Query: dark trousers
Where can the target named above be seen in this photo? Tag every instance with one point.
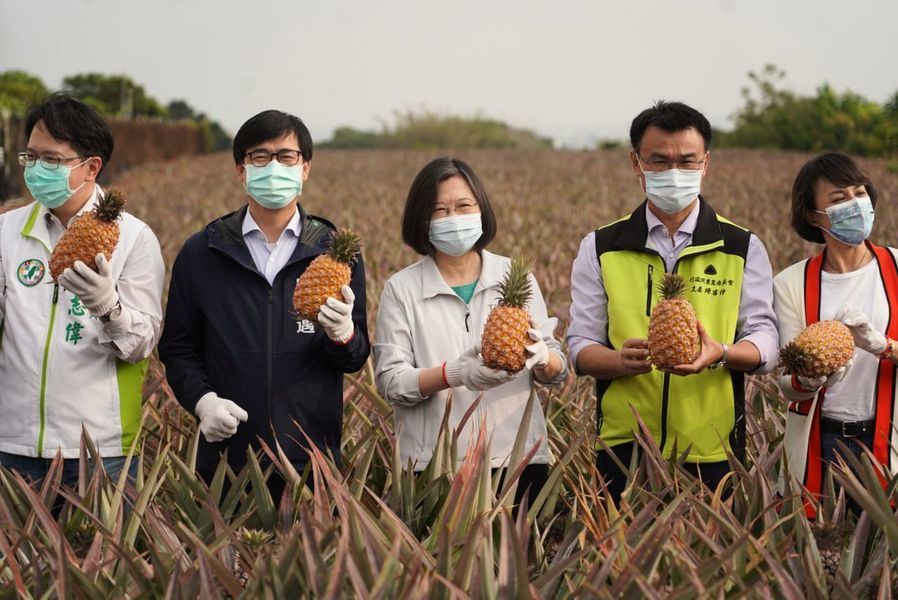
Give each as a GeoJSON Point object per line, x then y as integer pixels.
{"type": "Point", "coordinates": [275, 483]}
{"type": "Point", "coordinates": [531, 483]}
{"type": "Point", "coordinates": [35, 469]}
{"type": "Point", "coordinates": [710, 474]}
{"type": "Point", "coordinates": [829, 450]}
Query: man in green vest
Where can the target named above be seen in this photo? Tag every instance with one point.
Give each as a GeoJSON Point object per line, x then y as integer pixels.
{"type": "Point", "coordinates": [696, 406]}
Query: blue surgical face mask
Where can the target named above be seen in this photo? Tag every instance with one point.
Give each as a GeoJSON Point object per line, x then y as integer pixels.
{"type": "Point", "coordinates": [456, 235]}
{"type": "Point", "coordinates": [50, 187]}
{"type": "Point", "coordinates": [274, 185]}
{"type": "Point", "coordinates": [850, 222]}
{"type": "Point", "coordinates": [672, 190]}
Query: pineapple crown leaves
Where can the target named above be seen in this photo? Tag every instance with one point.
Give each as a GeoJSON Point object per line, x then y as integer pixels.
{"type": "Point", "coordinates": [672, 285]}
{"type": "Point", "coordinates": [344, 246]}
{"type": "Point", "coordinates": [515, 288]}
{"type": "Point", "coordinates": [793, 359]}
{"type": "Point", "coordinates": [110, 204]}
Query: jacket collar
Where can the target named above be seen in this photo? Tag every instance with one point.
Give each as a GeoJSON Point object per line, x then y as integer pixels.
{"type": "Point", "coordinates": [249, 224]}
{"type": "Point", "coordinates": [226, 235]}
{"type": "Point", "coordinates": [492, 270]}
{"type": "Point", "coordinates": [635, 231]}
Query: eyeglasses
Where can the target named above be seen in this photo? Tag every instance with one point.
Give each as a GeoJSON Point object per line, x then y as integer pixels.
{"type": "Point", "coordinates": [49, 162]}
{"type": "Point", "coordinates": [465, 207]}
{"type": "Point", "coordinates": [661, 164]}
{"type": "Point", "coordinates": [286, 157]}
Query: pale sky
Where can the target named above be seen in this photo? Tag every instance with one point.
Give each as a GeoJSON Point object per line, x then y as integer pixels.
{"type": "Point", "coordinates": [573, 70]}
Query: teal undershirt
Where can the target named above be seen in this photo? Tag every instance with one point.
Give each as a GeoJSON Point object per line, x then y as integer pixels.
{"type": "Point", "coordinates": [465, 292]}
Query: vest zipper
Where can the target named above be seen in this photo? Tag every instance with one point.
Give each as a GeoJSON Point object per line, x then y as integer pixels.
{"type": "Point", "coordinates": [665, 390]}
{"type": "Point", "coordinates": [648, 291]}
{"type": "Point", "coordinates": [467, 316]}
{"type": "Point", "coordinates": [665, 393]}
{"type": "Point", "coordinates": [43, 396]}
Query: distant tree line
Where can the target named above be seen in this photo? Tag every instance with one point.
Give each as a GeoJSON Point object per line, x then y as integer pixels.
{"type": "Point", "coordinates": [116, 96]}
{"type": "Point", "coordinates": [774, 117]}
{"type": "Point", "coordinates": [431, 130]}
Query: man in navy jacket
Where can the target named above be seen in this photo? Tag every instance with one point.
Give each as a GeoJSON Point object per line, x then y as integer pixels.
{"type": "Point", "coordinates": [235, 354]}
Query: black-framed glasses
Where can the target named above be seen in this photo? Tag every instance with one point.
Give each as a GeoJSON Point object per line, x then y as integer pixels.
{"type": "Point", "coordinates": [49, 162]}
{"type": "Point", "coordinates": [662, 164]}
{"type": "Point", "coordinates": [286, 156]}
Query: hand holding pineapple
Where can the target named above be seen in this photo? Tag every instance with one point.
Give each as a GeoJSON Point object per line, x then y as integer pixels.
{"type": "Point", "coordinates": [335, 317]}
{"type": "Point", "coordinates": [710, 351]}
{"type": "Point", "coordinates": [538, 351]}
{"type": "Point", "coordinates": [634, 357]}
{"type": "Point", "coordinates": [865, 337]}
{"type": "Point", "coordinates": [812, 384]}
{"type": "Point", "coordinates": [469, 370]}
{"type": "Point", "coordinates": [95, 289]}
{"type": "Point", "coordinates": [327, 276]}
{"type": "Point", "coordinates": [818, 353]}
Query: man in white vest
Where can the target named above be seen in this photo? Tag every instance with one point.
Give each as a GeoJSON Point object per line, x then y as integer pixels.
{"type": "Point", "coordinates": [73, 352]}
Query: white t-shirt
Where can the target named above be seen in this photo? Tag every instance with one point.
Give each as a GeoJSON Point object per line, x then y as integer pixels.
{"type": "Point", "coordinates": [852, 399]}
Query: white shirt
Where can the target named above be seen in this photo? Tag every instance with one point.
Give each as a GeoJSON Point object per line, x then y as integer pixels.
{"type": "Point", "coordinates": [270, 257]}
{"type": "Point", "coordinates": [852, 398]}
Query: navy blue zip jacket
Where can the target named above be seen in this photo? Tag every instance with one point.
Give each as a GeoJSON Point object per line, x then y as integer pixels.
{"type": "Point", "coordinates": [228, 331]}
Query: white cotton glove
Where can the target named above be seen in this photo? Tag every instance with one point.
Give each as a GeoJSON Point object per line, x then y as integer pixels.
{"type": "Point", "coordinates": [812, 384]}
{"type": "Point", "coordinates": [865, 337]}
{"type": "Point", "coordinates": [219, 417]}
{"type": "Point", "coordinates": [96, 290]}
{"type": "Point", "coordinates": [336, 317]}
{"type": "Point", "coordinates": [538, 351]}
{"type": "Point", "coordinates": [469, 371]}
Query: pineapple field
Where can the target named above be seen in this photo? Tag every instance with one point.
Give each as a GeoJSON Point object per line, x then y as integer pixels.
{"type": "Point", "coordinates": [372, 527]}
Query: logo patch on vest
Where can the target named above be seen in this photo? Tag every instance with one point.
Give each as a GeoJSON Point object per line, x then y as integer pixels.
{"type": "Point", "coordinates": [305, 326]}
{"type": "Point", "coordinates": [30, 272]}
{"type": "Point", "coordinates": [710, 270]}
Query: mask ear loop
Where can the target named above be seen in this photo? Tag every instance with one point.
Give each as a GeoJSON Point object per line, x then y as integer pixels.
{"type": "Point", "coordinates": [75, 191]}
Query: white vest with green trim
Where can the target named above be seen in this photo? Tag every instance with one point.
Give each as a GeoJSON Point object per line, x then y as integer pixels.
{"type": "Point", "coordinates": [55, 378]}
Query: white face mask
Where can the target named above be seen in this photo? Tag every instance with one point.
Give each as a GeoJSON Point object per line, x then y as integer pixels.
{"type": "Point", "coordinates": [456, 235]}
{"type": "Point", "coordinates": [672, 190]}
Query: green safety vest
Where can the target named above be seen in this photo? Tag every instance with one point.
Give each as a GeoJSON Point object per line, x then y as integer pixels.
{"type": "Point", "coordinates": [704, 412]}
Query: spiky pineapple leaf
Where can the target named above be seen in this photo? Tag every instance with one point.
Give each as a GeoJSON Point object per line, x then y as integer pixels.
{"type": "Point", "coordinates": [515, 288]}
{"type": "Point", "coordinates": [672, 285]}
{"type": "Point", "coordinates": [793, 359]}
{"type": "Point", "coordinates": [344, 246]}
{"type": "Point", "coordinates": [110, 205]}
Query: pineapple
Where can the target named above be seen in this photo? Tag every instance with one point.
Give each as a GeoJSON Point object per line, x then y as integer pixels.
{"type": "Point", "coordinates": [673, 330]}
{"type": "Point", "coordinates": [830, 538]}
{"type": "Point", "coordinates": [505, 334]}
{"type": "Point", "coordinates": [89, 234]}
{"type": "Point", "coordinates": [326, 275]}
{"type": "Point", "coordinates": [818, 351]}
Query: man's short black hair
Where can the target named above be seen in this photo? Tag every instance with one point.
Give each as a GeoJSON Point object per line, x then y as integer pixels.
{"type": "Point", "coordinates": [422, 197]}
{"type": "Point", "coordinates": [838, 169]}
{"type": "Point", "coordinates": [75, 123]}
{"type": "Point", "coordinates": [671, 117]}
{"type": "Point", "coordinates": [270, 125]}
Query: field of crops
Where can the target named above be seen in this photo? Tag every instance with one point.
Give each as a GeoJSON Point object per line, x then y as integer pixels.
{"type": "Point", "coordinates": [371, 528]}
